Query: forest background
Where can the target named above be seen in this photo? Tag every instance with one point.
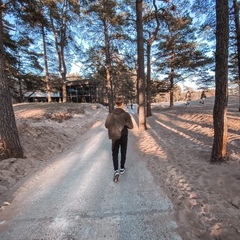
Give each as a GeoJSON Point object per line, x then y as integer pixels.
{"type": "Point", "coordinates": [134, 49]}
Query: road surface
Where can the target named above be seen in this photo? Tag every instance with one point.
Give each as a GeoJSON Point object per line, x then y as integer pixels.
{"type": "Point", "coordinates": [74, 197]}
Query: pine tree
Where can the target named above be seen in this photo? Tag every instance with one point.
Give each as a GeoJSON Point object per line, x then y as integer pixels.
{"type": "Point", "coordinates": [9, 139]}
{"type": "Point", "coordinates": [219, 149]}
{"type": "Point", "coordinates": [107, 22]}
{"type": "Point", "coordinates": [62, 15]}
{"type": "Point", "coordinates": [237, 26]}
{"type": "Point", "coordinates": [152, 33]}
{"type": "Point", "coordinates": [140, 71]}
{"type": "Point", "coordinates": [178, 52]}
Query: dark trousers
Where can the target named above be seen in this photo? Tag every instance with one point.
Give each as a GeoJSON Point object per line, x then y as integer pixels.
{"type": "Point", "coordinates": [116, 144]}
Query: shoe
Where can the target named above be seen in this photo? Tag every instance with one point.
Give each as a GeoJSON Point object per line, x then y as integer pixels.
{"type": "Point", "coordinates": [122, 170]}
{"type": "Point", "coordinates": [116, 176]}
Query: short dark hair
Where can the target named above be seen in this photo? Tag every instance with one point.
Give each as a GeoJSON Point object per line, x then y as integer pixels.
{"type": "Point", "coordinates": [119, 101]}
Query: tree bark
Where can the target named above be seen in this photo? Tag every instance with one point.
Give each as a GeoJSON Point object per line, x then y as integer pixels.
{"type": "Point", "coordinates": [219, 149]}
{"type": "Point", "coordinates": [149, 80]}
{"type": "Point", "coordinates": [9, 139]}
{"type": "Point", "coordinates": [149, 47]}
{"type": "Point", "coordinates": [141, 74]}
{"type": "Point", "coordinates": [172, 78]}
{"type": "Point", "coordinates": [61, 62]}
{"type": "Point", "coordinates": [236, 19]}
{"type": "Point", "coordinates": [108, 68]}
{"type": "Point", "coordinates": [46, 65]}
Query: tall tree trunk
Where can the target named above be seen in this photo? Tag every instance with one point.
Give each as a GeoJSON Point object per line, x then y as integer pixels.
{"type": "Point", "coordinates": [9, 139]}
{"type": "Point", "coordinates": [108, 68]}
{"type": "Point", "coordinates": [64, 69]}
{"type": "Point", "coordinates": [140, 61]}
{"type": "Point", "coordinates": [62, 47]}
{"type": "Point", "coordinates": [236, 18]}
{"type": "Point", "coordinates": [46, 65]}
{"type": "Point", "coordinates": [61, 67]}
{"type": "Point", "coordinates": [219, 149]}
{"type": "Point", "coordinates": [171, 91]}
{"type": "Point", "coordinates": [172, 78]}
{"type": "Point", "coordinates": [149, 80]}
{"type": "Point", "coordinates": [19, 80]}
{"type": "Point", "coordinates": [149, 46]}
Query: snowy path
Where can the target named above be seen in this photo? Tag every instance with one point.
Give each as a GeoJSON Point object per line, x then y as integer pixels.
{"type": "Point", "coordinates": [74, 197]}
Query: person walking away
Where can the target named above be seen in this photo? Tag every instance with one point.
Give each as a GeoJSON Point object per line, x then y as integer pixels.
{"type": "Point", "coordinates": [188, 97]}
{"type": "Point", "coordinates": [203, 97]}
{"type": "Point", "coordinates": [118, 122]}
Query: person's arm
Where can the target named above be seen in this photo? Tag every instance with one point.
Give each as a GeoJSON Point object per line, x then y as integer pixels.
{"type": "Point", "coordinates": [129, 122]}
{"type": "Point", "coordinates": [108, 121]}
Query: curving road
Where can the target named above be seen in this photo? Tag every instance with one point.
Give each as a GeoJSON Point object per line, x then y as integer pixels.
{"type": "Point", "coordinates": [74, 198]}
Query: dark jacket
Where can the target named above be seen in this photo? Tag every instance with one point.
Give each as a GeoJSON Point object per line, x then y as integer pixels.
{"type": "Point", "coordinates": [203, 95]}
{"type": "Point", "coordinates": [118, 123]}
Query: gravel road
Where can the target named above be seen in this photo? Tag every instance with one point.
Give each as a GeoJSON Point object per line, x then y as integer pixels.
{"type": "Point", "coordinates": [74, 197]}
